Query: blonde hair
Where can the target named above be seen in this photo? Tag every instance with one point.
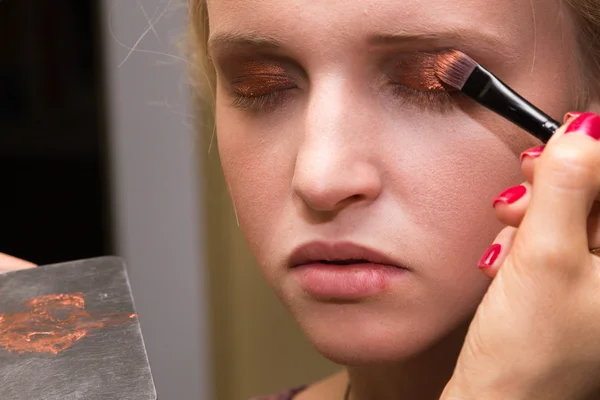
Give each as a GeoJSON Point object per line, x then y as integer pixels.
{"type": "Point", "coordinates": [203, 75]}
{"type": "Point", "coordinates": [586, 12]}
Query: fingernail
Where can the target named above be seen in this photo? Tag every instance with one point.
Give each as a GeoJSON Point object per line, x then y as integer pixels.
{"type": "Point", "coordinates": [533, 152]}
{"type": "Point", "coordinates": [586, 124]}
{"type": "Point", "coordinates": [490, 256]}
{"type": "Point", "coordinates": [571, 115]}
{"type": "Point", "coordinates": [511, 195]}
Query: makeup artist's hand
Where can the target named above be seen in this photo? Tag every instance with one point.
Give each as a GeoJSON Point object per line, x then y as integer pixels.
{"type": "Point", "coordinates": [10, 263]}
{"type": "Point", "coordinates": [536, 333]}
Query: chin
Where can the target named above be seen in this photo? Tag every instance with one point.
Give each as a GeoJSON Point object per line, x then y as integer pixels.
{"type": "Point", "coordinates": [365, 352]}
{"type": "Point", "coordinates": [359, 335]}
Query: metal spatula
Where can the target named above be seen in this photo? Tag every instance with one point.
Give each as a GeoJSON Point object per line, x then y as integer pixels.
{"type": "Point", "coordinates": [70, 331]}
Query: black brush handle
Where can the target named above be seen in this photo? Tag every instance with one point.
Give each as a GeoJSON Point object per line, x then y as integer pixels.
{"type": "Point", "coordinates": [489, 91]}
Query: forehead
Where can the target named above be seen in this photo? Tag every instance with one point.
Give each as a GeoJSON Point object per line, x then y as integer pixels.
{"type": "Point", "coordinates": [343, 20]}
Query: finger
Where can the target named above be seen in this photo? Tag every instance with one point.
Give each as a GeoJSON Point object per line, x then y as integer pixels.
{"type": "Point", "coordinates": [567, 180]}
{"type": "Point", "coordinates": [510, 206]}
{"type": "Point", "coordinates": [529, 156]}
{"type": "Point", "coordinates": [494, 256]}
{"type": "Point", "coordinates": [10, 263]}
{"type": "Point", "coordinates": [528, 159]}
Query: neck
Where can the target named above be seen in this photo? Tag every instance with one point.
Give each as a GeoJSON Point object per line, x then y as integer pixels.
{"type": "Point", "coordinates": [421, 377]}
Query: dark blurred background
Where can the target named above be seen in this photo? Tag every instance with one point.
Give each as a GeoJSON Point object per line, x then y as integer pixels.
{"type": "Point", "coordinates": [53, 170]}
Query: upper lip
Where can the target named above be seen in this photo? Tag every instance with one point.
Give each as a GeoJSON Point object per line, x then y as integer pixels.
{"type": "Point", "coordinates": [314, 252]}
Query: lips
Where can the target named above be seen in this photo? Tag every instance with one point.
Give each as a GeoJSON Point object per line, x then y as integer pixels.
{"type": "Point", "coordinates": [344, 271]}
{"type": "Point", "coordinates": [338, 253]}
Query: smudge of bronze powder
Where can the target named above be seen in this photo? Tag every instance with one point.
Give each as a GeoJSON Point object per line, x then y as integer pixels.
{"type": "Point", "coordinates": [52, 323]}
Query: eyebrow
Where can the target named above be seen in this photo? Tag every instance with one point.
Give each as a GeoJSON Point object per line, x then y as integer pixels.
{"type": "Point", "coordinates": [401, 38]}
{"type": "Point", "coordinates": [233, 40]}
{"type": "Point", "coordinates": [461, 34]}
{"type": "Point", "coordinates": [255, 41]}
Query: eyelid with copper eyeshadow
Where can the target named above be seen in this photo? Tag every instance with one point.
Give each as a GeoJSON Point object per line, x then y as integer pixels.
{"type": "Point", "coordinates": [412, 76]}
{"type": "Point", "coordinates": [263, 85]}
{"type": "Point", "coordinates": [256, 85]}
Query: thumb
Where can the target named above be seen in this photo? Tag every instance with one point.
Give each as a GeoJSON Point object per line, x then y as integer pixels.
{"type": "Point", "coordinates": [10, 263]}
{"type": "Point", "coordinates": [553, 233]}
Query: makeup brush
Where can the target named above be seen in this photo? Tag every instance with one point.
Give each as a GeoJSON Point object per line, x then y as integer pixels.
{"type": "Point", "coordinates": [458, 71]}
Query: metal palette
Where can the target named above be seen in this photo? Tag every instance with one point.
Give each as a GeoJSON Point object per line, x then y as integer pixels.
{"type": "Point", "coordinates": [70, 331]}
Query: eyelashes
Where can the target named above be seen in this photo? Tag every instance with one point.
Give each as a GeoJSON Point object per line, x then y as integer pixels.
{"type": "Point", "coordinates": [265, 102]}
{"type": "Point", "coordinates": [261, 102]}
{"type": "Point", "coordinates": [434, 100]}
{"type": "Point", "coordinates": [256, 92]}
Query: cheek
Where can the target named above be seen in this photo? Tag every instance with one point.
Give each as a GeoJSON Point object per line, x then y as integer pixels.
{"type": "Point", "coordinates": [258, 168]}
{"type": "Point", "coordinates": [443, 185]}
{"type": "Point", "coordinates": [450, 171]}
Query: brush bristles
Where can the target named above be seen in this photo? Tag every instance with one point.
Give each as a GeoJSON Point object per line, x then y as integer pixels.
{"type": "Point", "coordinates": [454, 67]}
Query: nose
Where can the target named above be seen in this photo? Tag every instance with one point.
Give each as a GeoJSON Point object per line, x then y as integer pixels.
{"type": "Point", "coordinates": [334, 167]}
{"type": "Point", "coordinates": [327, 184]}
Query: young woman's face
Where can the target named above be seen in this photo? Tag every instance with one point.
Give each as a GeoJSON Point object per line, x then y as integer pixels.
{"type": "Point", "coordinates": [319, 143]}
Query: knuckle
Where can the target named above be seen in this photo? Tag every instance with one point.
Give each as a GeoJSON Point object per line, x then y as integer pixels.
{"type": "Point", "coordinates": [551, 254]}
{"type": "Point", "coordinates": [543, 247]}
{"type": "Point", "coordinates": [572, 163]}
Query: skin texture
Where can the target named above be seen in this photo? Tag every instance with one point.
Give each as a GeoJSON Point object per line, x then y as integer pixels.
{"type": "Point", "coordinates": [342, 157]}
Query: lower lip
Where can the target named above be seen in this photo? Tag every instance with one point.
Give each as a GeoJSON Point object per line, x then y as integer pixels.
{"type": "Point", "coordinates": [346, 282]}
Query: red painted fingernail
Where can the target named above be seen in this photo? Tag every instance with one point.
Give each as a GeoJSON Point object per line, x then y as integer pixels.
{"type": "Point", "coordinates": [571, 115]}
{"type": "Point", "coordinates": [533, 152]}
{"type": "Point", "coordinates": [586, 124]}
{"type": "Point", "coordinates": [490, 256]}
{"type": "Point", "coordinates": [510, 195]}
